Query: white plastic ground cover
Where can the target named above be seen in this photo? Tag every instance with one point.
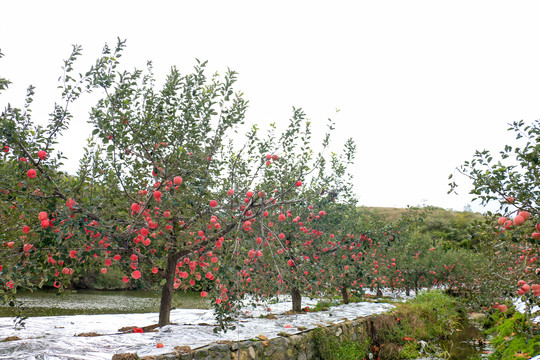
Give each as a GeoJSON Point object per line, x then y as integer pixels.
{"type": "Point", "coordinates": [45, 338]}
{"type": "Point", "coordinates": [522, 307]}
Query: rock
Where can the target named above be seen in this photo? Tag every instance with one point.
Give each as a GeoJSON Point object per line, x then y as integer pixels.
{"type": "Point", "coordinates": [88, 334]}
{"type": "Point", "coordinates": [265, 343]}
{"type": "Point", "coordinates": [474, 316]}
{"type": "Point", "coordinates": [251, 352]}
{"type": "Point", "coordinates": [125, 356]}
{"type": "Point", "coordinates": [271, 317]}
{"type": "Point", "coordinates": [243, 355]}
{"type": "Point", "coordinates": [184, 349]}
{"type": "Point", "coordinates": [262, 337]}
{"type": "Point", "coordinates": [11, 338]}
{"type": "Point", "coordinates": [149, 328]}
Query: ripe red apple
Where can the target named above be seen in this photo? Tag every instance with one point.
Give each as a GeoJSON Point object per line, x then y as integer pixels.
{"type": "Point", "coordinates": [213, 203]}
{"type": "Point", "coordinates": [177, 180]}
{"type": "Point", "coordinates": [525, 214]}
{"type": "Point", "coordinates": [31, 173]}
{"type": "Point", "coordinates": [249, 194]}
{"type": "Point", "coordinates": [135, 207]}
{"type": "Point", "coordinates": [298, 183]}
{"type": "Point", "coordinates": [157, 195]}
{"type": "Point", "coordinates": [136, 274]}
{"type": "Point", "coordinates": [26, 229]}
{"type": "Point", "coordinates": [519, 220]}
{"type": "Point", "coordinates": [274, 157]}
{"type": "Point", "coordinates": [42, 155]}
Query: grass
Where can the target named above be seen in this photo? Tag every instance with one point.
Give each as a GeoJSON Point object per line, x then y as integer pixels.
{"type": "Point", "coordinates": [429, 317]}
{"type": "Point", "coordinates": [513, 336]}
{"type": "Point", "coordinates": [328, 347]}
{"type": "Point", "coordinates": [432, 315]}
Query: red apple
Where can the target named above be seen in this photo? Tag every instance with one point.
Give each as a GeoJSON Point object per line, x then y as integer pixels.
{"type": "Point", "coordinates": [136, 274]}
{"type": "Point", "coordinates": [31, 173]}
{"type": "Point", "coordinates": [525, 214]}
{"type": "Point", "coordinates": [519, 220]}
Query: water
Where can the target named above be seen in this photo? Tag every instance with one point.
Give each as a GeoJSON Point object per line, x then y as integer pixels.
{"type": "Point", "coordinates": [92, 302]}
{"type": "Point", "coordinates": [462, 345]}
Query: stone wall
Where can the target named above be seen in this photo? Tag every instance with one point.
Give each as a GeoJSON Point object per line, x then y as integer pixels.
{"type": "Point", "coordinates": [302, 346]}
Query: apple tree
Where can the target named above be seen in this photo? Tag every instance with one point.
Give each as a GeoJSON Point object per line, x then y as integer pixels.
{"type": "Point", "coordinates": [164, 191]}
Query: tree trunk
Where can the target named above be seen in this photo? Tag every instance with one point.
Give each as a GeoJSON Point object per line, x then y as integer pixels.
{"type": "Point", "coordinates": [296, 300]}
{"type": "Point", "coordinates": [407, 291]}
{"type": "Point", "coordinates": [167, 291]}
{"type": "Point", "coordinates": [345, 295]}
{"type": "Point", "coordinates": [379, 293]}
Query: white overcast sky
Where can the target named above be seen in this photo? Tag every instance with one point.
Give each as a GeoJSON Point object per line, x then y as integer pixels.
{"type": "Point", "coordinates": [421, 85]}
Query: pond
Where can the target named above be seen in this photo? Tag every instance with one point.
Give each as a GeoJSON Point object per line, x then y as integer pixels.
{"type": "Point", "coordinates": [92, 302]}
{"type": "Point", "coordinates": [467, 343]}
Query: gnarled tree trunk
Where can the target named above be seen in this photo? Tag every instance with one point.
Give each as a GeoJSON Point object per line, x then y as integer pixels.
{"type": "Point", "coordinates": [296, 300]}
{"type": "Point", "coordinates": [345, 295]}
{"type": "Point", "coordinates": [167, 291]}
